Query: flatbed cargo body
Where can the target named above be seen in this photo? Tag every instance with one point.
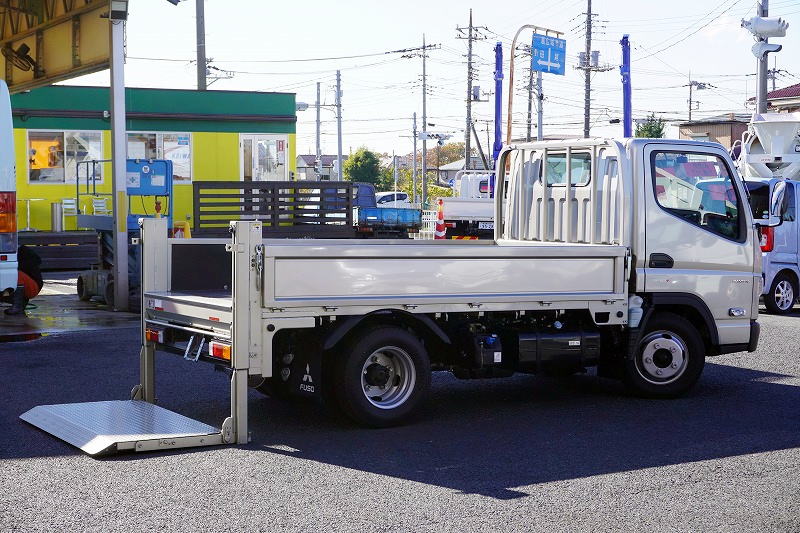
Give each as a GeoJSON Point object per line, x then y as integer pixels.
{"type": "Point", "coordinates": [336, 277]}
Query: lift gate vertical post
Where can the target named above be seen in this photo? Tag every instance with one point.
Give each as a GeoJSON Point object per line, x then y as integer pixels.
{"type": "Point", "coordinates": [140, 425]}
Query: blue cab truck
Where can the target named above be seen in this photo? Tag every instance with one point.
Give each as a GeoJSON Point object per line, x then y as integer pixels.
{"type": "Point", "coordinates": [382, 222]}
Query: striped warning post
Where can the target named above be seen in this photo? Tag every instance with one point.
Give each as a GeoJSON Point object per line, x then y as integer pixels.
{"type": "Point", "coordinates": [441, 229]}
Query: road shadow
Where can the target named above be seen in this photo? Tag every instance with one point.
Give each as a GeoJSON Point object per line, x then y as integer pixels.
{"type": "Point", "coordinates": [484, 437]}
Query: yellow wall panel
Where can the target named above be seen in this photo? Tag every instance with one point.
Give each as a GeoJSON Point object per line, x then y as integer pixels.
{"type": "Point", "coordinates": [215, 156]}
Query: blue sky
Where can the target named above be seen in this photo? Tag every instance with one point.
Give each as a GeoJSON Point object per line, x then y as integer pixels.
{"type": "Point", "coordinates": [670, 42]}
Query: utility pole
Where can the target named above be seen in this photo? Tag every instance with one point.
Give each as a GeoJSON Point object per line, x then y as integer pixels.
{"type": "Point", "coordinates": [589, 63]}
{"type": "Point", "coordinates": [201, 45]}
{"type": "Point", "coordinates": [394, 165]}
{"type": "Point", "coordinates": [587, 90]}
{"type": "Point", "coordinates": [539, 107]}
{"type": "Point", "coordinates": [530, 106]}
{"type": "Point", "coordinates": [467, 150]}
{"type": "Point", "coordinates": [424, 128]}
{"type": "Point", "coordinates": [318, 162]}
{"type": "Point", "coordinates": [472, 35]}
{"type": "Point", "coordinates": [340, 172]}
{"type": "Point", "coordinates": [763, 65]}
{"type": "Point", "coordinates": [695, 84]}
{"type": "Point", "coordinates": [414, 171]}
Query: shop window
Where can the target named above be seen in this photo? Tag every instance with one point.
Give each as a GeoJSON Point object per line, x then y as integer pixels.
{"type": "Point", "coordinates": [46, 156]}
{"type": "Point", "coordinates": [82, 148]}
{"type": "Point", "coordinates": [54, 156]}
{"type": "Point", "coordinates": [175, 147]}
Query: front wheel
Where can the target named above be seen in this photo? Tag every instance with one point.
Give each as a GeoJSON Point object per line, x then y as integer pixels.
{"type": "Point", "coordinates": [382, 377]}
{"type": "Point", "coordinates": [782, 295]}
{"type": "Point", "coordinates": [669, 359]}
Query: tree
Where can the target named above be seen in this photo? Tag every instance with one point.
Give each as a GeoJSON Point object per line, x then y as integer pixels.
{"type": "Point", "coordinates": [362, 166]}
{"type": "Point", "coordinates": [653, 127]}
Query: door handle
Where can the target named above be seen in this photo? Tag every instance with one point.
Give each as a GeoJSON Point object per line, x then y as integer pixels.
{"type": "Point", "coordinates": [661, 261]}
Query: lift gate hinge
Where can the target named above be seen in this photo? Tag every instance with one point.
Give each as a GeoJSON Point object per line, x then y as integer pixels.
{"type": "Point", "coordinates": [257, 264]}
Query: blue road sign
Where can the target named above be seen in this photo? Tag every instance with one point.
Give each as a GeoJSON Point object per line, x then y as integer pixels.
{"type": "Point", "coordinates": [548, 54]}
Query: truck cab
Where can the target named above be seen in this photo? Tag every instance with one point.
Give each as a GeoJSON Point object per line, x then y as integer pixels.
{"type": "Point", "coordinates": [779, 245]}
{"type": "Point", "coordinates": [8, 197]}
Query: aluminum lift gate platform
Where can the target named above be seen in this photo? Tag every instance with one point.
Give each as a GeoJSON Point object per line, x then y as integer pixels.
{"type": "Point", "coordinates": [110, 426]}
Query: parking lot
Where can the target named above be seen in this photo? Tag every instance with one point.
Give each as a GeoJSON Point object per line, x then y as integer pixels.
{"type": "Point", "coordinates": [525, 453]}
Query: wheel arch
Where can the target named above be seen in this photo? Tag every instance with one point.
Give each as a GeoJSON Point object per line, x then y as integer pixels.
{"type": "Point", "coordinates": [422, 325]}
{"type": "Point", "coordinates": [693, 308]}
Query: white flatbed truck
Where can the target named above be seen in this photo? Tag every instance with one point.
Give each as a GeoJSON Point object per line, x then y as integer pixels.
{"type": "Point", "coordinates": [618, 272]}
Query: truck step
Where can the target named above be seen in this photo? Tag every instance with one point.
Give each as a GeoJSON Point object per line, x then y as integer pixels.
{"type": "Point", "coordinates": [110, 426]}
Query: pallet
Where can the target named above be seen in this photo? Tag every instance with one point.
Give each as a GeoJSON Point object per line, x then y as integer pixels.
{"type": "Point", "coordinates": [66, 250]}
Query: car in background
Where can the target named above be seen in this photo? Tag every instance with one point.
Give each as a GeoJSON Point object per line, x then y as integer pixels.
{"type": "Point", "coordinates": [780, 246]}
{"type": "Point", "coordinates": [392, 199]}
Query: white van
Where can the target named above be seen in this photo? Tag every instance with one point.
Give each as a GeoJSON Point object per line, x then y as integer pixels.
{"type": "Point", "coordinates": [8, 197]}
{"type": "Point", "coordinates": [779, 245]}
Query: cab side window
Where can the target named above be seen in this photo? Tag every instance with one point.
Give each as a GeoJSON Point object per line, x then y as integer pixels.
{"type": "Point", "coordinates": [699, 189]}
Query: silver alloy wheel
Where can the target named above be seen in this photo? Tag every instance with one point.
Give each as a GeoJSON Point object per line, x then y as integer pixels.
{"type": "Point", "coordinates": [388, 377]}
{"type": "Point", "coordinates": [663, 357]}
{"type": "Point", "coordinates": [784, 295]}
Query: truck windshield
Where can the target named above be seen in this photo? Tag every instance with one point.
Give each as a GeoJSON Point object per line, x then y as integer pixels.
{"type": "Point", "coordinates": [759, 198]}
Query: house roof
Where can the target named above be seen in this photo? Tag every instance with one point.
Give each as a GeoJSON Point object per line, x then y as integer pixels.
{"type": "Point", "coordinates": [459, 164]}
{"type": "Point", "coordinates": [717, 119]}
{"type": "Point", "coordinates": [327, 160]}
{"type": "Point", "coordinates": [792, 91]}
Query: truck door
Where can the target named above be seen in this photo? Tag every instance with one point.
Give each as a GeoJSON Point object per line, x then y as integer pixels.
{"type": "Point", "coordinates": [698, 241]}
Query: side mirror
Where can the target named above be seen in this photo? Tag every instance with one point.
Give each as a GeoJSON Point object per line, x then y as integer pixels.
{"type": "Point", "coordinates": [777, 206]}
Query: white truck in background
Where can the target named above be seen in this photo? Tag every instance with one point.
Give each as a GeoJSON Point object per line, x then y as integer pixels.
{"type": "Point", "coordinates": [769, 154]}
{"type": "Point", "coordinates": [8, 197]}
{"type": "Point", "coordinates": [470, 211]}
{"type": "Point", "coordinates": [618, 270]}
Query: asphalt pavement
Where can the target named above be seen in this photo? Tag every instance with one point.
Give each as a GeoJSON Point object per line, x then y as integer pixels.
{"type": "Point", "coordinates": [518, 454]}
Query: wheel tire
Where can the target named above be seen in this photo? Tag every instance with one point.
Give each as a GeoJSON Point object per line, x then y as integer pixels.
{"type": "Point", "coordinates": [83, 292]}
{"type": "Point", "coordinates": [782, 295]}
{"type": "Point", "coordinates": [381, 377]}
{"type": "Point", "coordinates": [108, 294]}
{"type": "Point", "coordinates": [668, 360]}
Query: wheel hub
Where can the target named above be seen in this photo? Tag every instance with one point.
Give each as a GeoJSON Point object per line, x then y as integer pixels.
{"type": "Point", "coordinates": [663, 357]}
{"type": "Point", "coordinates": [377, 375]}
{"type": "Point", "coordinates": [784, 295]}
{"type": "Point", "coordinates": [388, 377]}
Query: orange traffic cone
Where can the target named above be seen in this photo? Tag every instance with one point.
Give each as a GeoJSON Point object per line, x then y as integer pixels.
{"type": "Point", "coordinates": [441, 229]}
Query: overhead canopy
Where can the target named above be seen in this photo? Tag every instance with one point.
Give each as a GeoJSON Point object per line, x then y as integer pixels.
{"type": "Point", "coordinates": [46, 41]}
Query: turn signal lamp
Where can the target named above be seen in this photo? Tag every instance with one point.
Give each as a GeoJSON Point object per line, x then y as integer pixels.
{"type": "Point", "coordinates": [219, 350]}
{"type": "Point", "coordinates": [154, 335]}
{"type": "Point", "coordinates": [767, 239]}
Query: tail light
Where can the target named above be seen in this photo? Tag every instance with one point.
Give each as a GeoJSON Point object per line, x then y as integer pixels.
{"type": "Point", "coordinates": [219, 350]}
{"type": "Point", "coordinates": [8, 223]}
{"type": "Point", "coordinates": [8, 212]}
{"type": "Point", "coordinates": [154, 335]}
{"type": "Point", "coordinates": [767, 239]}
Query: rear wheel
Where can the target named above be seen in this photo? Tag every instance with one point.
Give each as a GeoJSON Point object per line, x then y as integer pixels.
{"type": "Point", "coordinates": [382, 377]}
{"type": "Point", "coordinates": [668, 360]}
{"type": "Point", "coordinates": [108, 294]}
{"type": "Point", "coordinates": [782, 295]}
{"type": "Point", "coordinates": [83, 291]}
